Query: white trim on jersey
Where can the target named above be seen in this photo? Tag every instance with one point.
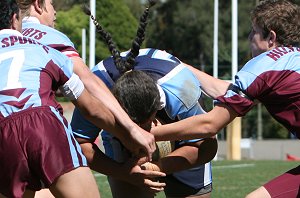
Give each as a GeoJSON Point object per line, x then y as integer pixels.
{"type": "Point", "coordinates": [171, 74]}
{"type": "Point", "coordinates": [162, 101]}
{"type": "Point", "coordinates": [73, 88]}
{"type": "Point", "coordinates": [207, 174]}
{"type": "Point", "coordinates": [30, 19]}
{"type": "Point", "coordinates": [103, 70]}
{"type": "Point", "coordinates": [10, 32]}
{"type": "Point", "coordinates": [71, 54]}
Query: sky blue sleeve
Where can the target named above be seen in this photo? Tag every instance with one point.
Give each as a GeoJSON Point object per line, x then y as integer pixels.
{"type": "Point", "coordinates": [182, 91]}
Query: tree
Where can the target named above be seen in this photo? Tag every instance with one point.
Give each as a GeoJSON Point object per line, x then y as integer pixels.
{"type": "Point", "coordinates": [71, 23]}
{"type": "Point", "coordinates": [113, 15]}
{"type": "Point", "coordinates": [190, 24]}
{"type": "Point", "coordinates": [182, 27]}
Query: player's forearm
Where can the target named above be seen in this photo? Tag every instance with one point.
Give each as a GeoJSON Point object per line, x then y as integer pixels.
{"type": "Point", "coordinates": [99, 162]}
{"type": "Point", "coordinates": [189, 156]}
{"type": "Point", "coordinates": [181, 159]}
{"type": "Point", "coordinates": [199, 126]}
{"type": "Point", "coordinates": [213, 87]}
{"type": "Point", "coordinates": [189, 128]}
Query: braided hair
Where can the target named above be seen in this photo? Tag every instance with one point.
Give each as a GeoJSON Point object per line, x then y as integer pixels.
{"type": "Point", "coordinates": [136, 91]}
{"type": "Point", "coordinates": [8, 9]}
{"type": "Point", "coordinates": [124, 65]}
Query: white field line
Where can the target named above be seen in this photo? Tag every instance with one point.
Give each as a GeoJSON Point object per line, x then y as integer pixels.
{"type": "Point", "coordinates": [233, 166]}
{"type": "Point", "coordinates": [213, 167]}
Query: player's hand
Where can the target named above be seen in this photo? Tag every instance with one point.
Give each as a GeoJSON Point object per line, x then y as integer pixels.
{"type": "Point", "coordinates": [143, 143]}
{"type": "Point", "coordinates": [145, 179]}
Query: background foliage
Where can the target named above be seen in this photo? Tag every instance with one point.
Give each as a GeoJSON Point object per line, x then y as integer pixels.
{"type": "Point", "coordinates": [182, 27]}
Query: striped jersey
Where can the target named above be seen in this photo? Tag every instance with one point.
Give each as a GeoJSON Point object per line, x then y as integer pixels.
{"type": "Point", "coordinates": [272, 78]}
{"type": "Point", "coordinates": [180, 92]}
{"type": "Point", "coordinates": [30, 73]}
{"type": "Point", "coordinates": [32, 28]}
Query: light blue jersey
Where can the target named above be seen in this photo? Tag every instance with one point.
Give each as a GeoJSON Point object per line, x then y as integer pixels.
{"type": "Point", "coordinates": [23, 63]}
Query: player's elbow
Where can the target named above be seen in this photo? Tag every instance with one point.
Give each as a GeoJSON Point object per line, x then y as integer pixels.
{"type": "Point", "coordinates": [210, 130]}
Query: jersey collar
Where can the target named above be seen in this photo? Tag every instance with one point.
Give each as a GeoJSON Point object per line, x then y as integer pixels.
{"type": "Point", "coordinates": [10, 32]}
{"type": "Point", "coordinates": [30, 19]}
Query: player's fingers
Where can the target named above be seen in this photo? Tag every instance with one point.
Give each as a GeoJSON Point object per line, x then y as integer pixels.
{"type": "Point", "coordinates": [153, 174]}
{"type": "Point", "coordinates": [151, 146]}
{"type": "Point", "coordinates": [155, 184]}
{"type": "Point", "coordinates": [151, 150]}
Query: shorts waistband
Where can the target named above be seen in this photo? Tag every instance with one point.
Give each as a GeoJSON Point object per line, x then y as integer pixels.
{"type": "Point", "coordinates": [23, 112]}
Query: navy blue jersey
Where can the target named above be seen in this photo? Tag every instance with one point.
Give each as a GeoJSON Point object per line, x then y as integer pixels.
{"type": "Point", "coordinates": [179, 90]}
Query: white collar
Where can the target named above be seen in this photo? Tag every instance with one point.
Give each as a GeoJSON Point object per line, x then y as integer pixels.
{"type": "Point", "coordinates": [30, 19]}
{"type": "Point", "coordinates": [11, 32]}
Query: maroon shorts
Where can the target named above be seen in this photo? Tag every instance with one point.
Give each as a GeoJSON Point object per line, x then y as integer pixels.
{"type": "Point", "coordinates": [286, 185]}
{"type": "Point", "coordinates": [36, 147]}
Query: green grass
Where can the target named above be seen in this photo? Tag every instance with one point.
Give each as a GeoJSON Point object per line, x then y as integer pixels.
{"type": "Point", "coordinates": [233, 179]}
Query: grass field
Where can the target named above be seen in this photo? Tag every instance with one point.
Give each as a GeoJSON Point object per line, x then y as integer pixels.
{"type": "Point", "coordinates": [231, 179]}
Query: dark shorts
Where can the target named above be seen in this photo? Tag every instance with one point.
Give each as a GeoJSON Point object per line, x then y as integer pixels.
{"type": "Point", "coordinates": [285, 185]}
{"type": "Point", "coordinates": [36, 147]}
{"type": "Point", "coordinates": [175, 188]}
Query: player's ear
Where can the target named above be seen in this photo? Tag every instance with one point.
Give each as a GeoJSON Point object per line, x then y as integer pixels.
{"type": "Point", "coordinates": [38, 7]}
{"type": "Point", "coordinates": [16, 23]}
{"type": "Point", "coordinates": [272, 39]}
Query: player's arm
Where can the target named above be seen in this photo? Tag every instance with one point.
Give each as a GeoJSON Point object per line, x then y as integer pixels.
{"type": "Point", "coordinates": [129, 171]}
{"type": "Point", "coordinates": [187, 156]}
{"type": "Point", "coordinates": [213, 87]}
{"type": "Point", "coordinates": [198, 126]}
{"type": "Point", "coordinates": [99, 90]}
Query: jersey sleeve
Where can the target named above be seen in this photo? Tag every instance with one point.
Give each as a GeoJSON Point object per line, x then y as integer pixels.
{"type": "Point", "coordinates": [182, 92]}
{"type": "Point", "coordinates": [66, 47]}
{"type": "Point", "coordinates": [242, 96]}
{"type": "Point", "coordinates": [65, 64]}
{"type": "Point", "coordinates": [60, 42]}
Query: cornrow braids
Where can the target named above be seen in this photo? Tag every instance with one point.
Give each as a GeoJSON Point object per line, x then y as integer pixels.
{"type": "Point", "coordinates": [122, 65]}
{"type": "Point", "coordinates": [140, 36]}
{"type": "Point", "coordinates": [119, 62]}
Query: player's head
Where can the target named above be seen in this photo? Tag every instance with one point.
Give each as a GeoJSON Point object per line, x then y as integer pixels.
{"type": "Point", "coordinates": [42, 9]}
{"type": "Point", "coordinates": [138, 94]}
{"type": "Point", "coordinates": [277, 22]}
{"type": "Point", "coordinates": [9, 16]}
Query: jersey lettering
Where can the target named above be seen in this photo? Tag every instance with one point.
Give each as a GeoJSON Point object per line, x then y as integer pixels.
{"type": "Point", "coordinates": [36, 34]}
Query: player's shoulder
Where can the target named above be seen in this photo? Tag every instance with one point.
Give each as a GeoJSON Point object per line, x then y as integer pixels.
{"type": "Point", "coordinates": [273, 60]}
{"type": "Point", "coordinates": [44, 33]}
